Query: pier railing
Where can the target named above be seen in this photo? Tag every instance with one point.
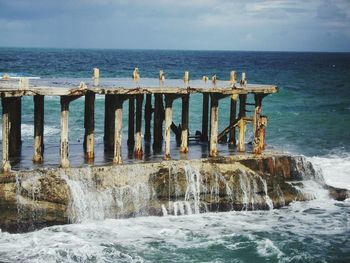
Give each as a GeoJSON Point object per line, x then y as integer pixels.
{"type": "Point", "coordinates": [135, 91]}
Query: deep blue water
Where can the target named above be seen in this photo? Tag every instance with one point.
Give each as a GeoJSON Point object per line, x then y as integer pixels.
{"type": "Point", "coordinates": [310, 115]}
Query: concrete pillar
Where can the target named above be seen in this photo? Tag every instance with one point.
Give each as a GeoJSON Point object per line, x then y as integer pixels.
{"type": "Point", "coordinates": [109, 122]}
{"type": "Point", "coordinates": [184, 124]}
{"type": "Point", "coordinates": [38, 128]}
{"type": "Point", "coordinates": [148, 117]}
{"type": "Point", "coordinates": [131, 123]}
{"type": "Point", "coordinates": [138, 138]}
{"type": "Point", "coordinates": [214, 118]}
{"type": "Point", "coordinates": [6, 104]}
{"type": "Point", "coordinates": [89, 125]}
{"type": "Point", "coordinates": [205, 117]}
{"type": "Point", "coordinates": [118, 130]}
{"type": "Point", "coordinates": [64, 148]}
{"type": "Point", "coordinates": [168, 121]}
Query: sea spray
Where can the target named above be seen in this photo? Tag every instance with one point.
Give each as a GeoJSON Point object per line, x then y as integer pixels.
{"type": "Point", "coordinates": [27, 197]}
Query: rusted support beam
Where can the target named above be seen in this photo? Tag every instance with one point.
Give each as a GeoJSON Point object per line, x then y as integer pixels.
{"type": "Point", "coordinates": [15, 141]}
{"type": "Point", "coordinates": [38, 128]}
{"type": "Point", "coordinates": [64, 148]}
{"type": "Point", "coordinates": [233, 118]}
{"type": "Point", "coordinates": [118, 128]}
{"type": "Point", "coordinates": [205, 117]}
{"type": "Point", "coordinates": [214, 118]}
{"type": "Point", "coordinates": [158, 122]}
{"type": "Point", "coordinates": [148, 117]}
{"type": "Point", "coordinates": [184, 124]}
{"type": "Point", "coordinates": [109, 122]}
{"type": "Point", "coordinates": [131, 123]}
{"type": "Point", "coordinates": [168, 121]}
{"type": "Point", "coordinates": [6, 104]}
{"type": "Point", "coordinates": [262, 132]}
{"type": "Point", "coordinates": [138, 138]}
{"type": "Point", "coordinates": [257, 124]}
{"type": "Point", "coordinates": [89, 125]}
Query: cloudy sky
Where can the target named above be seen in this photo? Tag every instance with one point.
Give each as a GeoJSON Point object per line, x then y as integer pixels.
{"type": "Point", "coordinates": [299, 25]}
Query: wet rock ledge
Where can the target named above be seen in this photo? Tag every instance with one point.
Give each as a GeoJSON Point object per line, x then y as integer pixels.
{"type": "Point", "coordinates": [44, 197]}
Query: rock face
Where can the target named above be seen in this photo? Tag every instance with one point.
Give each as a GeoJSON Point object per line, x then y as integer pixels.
{"type": "Point", "coordinates": [33, 199]}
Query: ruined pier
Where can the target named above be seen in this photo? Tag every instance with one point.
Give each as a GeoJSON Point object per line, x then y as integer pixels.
{"type": "Point", "coordinates": [148, 100]}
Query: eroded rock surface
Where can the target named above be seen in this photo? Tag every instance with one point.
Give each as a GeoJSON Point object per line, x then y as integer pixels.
{"type": "Point", "coordinates": [32, 199]}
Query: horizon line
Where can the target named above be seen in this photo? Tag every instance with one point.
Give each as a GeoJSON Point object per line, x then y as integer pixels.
{"type": "Point", "coordinates": [171, 49]}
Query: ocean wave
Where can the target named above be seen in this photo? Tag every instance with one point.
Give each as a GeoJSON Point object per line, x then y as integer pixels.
{"type": "Point", "coordinates": [335, 169]}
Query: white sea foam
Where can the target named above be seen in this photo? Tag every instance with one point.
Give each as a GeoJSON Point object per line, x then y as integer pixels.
{"type": "Point", "coordinates": [335, 169]}
{"type": "Point", "coordinates": [272, 236]}
{"type": "Point", "coordinates": [28, 130]}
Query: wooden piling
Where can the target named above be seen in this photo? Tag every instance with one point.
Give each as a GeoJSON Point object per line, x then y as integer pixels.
{"type": "Point", "coordinates": [186, 77]}
{"type": "Point", "coordinates": [184, 124]}
{"type": "Point", "coordinates": [233, 77]}
{"type": "Point", "coordinates": [233, 112]}
{"type": "Point", "coordinates": [214, 117]}
{"type": "Point", "coordinates": [6, 104]}
{"type": "Point", "coordinates": [243, 81]}
{"type": "Point", "coordinates": [109, 122]}
{"type": "Point", "coordinates": [138, 138]}
{"type": "Point", "coordinates": [131, 124]}
{"type": "Point", "coordinates": [161, 75]}
{"type": "Point", "coordinates": [38, 128]}
{"type": "Point", "coordinates": [96, 76]}
{"type": "Point", "coordinates": [242, 105]}
{"type": "Point", "coordinates": [64, 149]}
{"type": "Point", "coordinates": [205, 117]}
{"type": "Point", "coordinates": [241, 122]}
{"type": "Point", "coordinates": [158, 122]}
{"type": "Point", "coordinates": [89, 125]}
{"type": "Point", "coordinates": [241, 135]}
{"type": "Point", "coordinates": [168, 120]}
{"type": "Point", "coordinates": [148, 117]}
{"type": "Point", "coordinates": [15, 140]}
{"type": "Point", "coordinates": [118, 122]}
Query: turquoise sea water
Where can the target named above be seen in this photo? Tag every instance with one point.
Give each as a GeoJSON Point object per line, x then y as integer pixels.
{"type": "Point", "coordinates": [310, 116]}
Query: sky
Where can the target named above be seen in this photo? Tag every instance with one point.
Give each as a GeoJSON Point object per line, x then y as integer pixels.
{"type": "Point", "coordinates": [280, 25]}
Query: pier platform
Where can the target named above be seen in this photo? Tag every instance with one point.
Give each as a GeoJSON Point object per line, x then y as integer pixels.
{"type": "Point", "coordinates": [150, 110]}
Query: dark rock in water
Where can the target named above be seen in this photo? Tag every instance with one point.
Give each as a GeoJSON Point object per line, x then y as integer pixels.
{"type": "Point", "coordinates": [338, 194]}
{"type": "Point", "coordinates": [39, 198]}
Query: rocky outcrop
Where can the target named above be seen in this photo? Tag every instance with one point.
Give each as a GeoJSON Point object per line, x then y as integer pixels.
{"type": "Point", "coordinates": [32, 199]}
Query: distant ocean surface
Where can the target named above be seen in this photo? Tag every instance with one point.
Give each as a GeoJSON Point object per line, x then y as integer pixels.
{"type": "Point", "coordinates": [310, 116]}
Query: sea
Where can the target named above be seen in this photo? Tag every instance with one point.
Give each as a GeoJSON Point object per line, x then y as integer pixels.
{"type": "Point", "coordinates": [309, 116]}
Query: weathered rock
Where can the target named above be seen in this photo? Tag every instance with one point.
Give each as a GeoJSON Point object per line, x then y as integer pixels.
{"type": "Point", "coordinates": [31, 199]}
